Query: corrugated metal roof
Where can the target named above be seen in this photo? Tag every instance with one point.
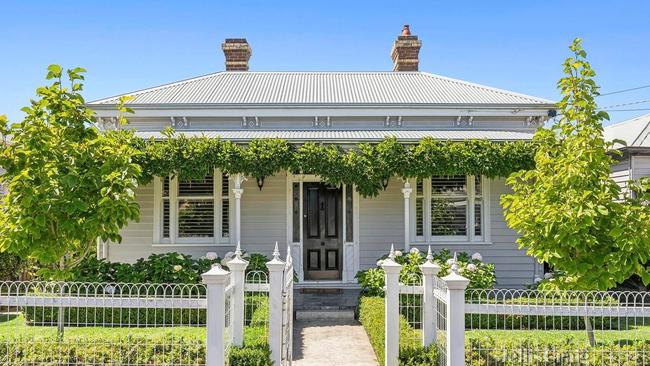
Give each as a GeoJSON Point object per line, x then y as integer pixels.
{"type": "Point", "coordinates": [316, 88]}
{"type": "Point", "coordinates": [350, 136]}
{"type": "Point", "coordinates": [634, 131]}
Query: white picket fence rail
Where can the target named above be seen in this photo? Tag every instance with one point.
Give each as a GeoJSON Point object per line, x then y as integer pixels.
{"type": "Point", "coordinates": [448, 316]}
{"type": "Point", "coordinates": [219, 305]}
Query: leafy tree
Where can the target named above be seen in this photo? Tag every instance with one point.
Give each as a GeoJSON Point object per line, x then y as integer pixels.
{"type": "Point", "coordinates": [568, 210]}
{"type": "Point", "coordinates": [68, 182]}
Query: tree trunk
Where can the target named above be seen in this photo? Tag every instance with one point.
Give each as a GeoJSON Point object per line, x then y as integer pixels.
{"type": "Point", "coordinates": [61, 312]}
{"type": "Point", "coordinates": [590, 331]}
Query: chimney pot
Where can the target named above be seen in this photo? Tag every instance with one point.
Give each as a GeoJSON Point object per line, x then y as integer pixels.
{"type": "Point", "coordinates": [406, 50]}
{"type": "Point", "coordinates": [237, 53]}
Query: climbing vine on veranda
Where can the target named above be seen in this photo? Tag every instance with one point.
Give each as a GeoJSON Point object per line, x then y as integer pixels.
{"type": "Point", "coordinates": [366, 165]}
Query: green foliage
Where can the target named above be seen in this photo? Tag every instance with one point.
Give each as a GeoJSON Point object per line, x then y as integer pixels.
{"type": "Point", "coordinates": [258, 355]}
{"type": "Point", "coordinates": [568, 210]}
{"type": "Point", "coordinates": [135, 350]}
{"type": "Point", "coordinates": [171, 267]}
{"type": "Point", "coordinates": [498, 352]}
{"type": "Point", "coordinates": [372, 317]}
{"type": "Point", "coordinates": [68, 183]}
{"type": "Point", "coordinates": [13, 268]}
{"type": "Point", "coordinates": [38, 315]}
{"type": "Point", "coordinates": [365, 166]}
{"type": "Point", "coordinates": [480, 274]}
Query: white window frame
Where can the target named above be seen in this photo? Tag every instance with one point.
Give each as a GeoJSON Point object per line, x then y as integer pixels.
{"type": "Point", "coordinates": [173, 239]}
{"type": "Point", "coordinates": [470, 237]}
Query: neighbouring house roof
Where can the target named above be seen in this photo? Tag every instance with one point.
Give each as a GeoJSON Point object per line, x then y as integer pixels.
{"type": "Point", "coordinates": [350, 136]}
{"type": "Point", "coordinates": [326, 88]}
{"type": "Point", "coordinates": [635, 132]}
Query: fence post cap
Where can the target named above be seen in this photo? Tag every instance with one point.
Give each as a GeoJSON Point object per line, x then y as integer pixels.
{"type": "Point", "coordinates": [275, 264]}
{"type": "Point", "coordinates": [237, 264]}
{"type": "Point", "coordinates": [455, 281]}
{"type": "Point", "coordinates": [215, 275]}
{"type": "Point", "coordinates": [390, 266]}
{"type": "Point", "coordinates": [430, 268]}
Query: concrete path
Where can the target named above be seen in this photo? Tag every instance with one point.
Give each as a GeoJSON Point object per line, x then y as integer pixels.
{"type": "Point", "coordinates": [331, 342]}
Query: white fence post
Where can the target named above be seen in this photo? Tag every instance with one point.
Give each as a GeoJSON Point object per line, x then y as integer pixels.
{"type": "Point", "coordinates": [456, 285]}
{"type": "Point", "coordinates": [276, 284]}
{"type": "Point", "coordinates": [216, 280]}
{"type": "Point", "coordinates": [237, 267]}
{"type": "Point", "coordinates": [391, 307]}
{"type": "Point", "coordinates": [429, 303]}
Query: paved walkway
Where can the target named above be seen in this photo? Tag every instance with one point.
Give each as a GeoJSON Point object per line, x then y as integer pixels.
{"type": "Point", "coordinates": [331, 342]}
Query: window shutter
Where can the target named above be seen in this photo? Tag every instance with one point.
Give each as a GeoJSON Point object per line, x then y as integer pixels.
{"type": "Point", "coordinates": [449, 202]}
{"type": "Point", "coordinates": [196, 208]}
{"type": "Point", "coordinates": [225, 206]}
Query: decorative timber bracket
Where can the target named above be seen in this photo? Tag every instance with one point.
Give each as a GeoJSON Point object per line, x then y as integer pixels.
{"type": "Point", "coordinates": [464, 121]}
{"type": "Point", "coordinates": [107, 123]}
{"type": "Point", "coordinates": [393, 121]}
{"type": "Point", "coordinates": [180, 122]}
{"type": "Point", "coordinates": [251, 122]}
{"type": "Point", "coordinates": [537, 121]}
{"type": "Point", "coordinates": [322, 122]}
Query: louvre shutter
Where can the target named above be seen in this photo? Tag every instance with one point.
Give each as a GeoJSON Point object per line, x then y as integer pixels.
{"type": "Point", "coordinates": [196, 208]}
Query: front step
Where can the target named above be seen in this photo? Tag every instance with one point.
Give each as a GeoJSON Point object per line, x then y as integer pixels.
{"type": "Point", "coordinates": [325, 314]}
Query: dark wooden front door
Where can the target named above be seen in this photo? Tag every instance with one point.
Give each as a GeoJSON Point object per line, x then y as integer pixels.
{"type": "Point", "coordinates": [322, 235]}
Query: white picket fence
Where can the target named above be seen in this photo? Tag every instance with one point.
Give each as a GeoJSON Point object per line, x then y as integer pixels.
{"type": "Point", "coordinates": [508, 327]}
{"type": "Point", "coordinates": [196, 324]}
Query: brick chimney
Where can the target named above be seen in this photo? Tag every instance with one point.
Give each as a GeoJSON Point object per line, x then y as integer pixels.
{"type": "Point", "coordinates": [405, 51]}
{"type": "Point", "coordinates": [237, 52]}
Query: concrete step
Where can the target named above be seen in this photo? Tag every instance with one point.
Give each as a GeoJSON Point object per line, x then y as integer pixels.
{"type": "Point", "coordinates": [325, 314]}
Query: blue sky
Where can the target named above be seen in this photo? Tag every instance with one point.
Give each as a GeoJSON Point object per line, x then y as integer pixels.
{"type": "Point", "coordinates": [515, 45]}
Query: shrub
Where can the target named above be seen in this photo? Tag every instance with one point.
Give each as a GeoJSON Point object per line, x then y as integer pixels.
{"type": "Point", "coordinates": [12, 267]}
{"type": "Point", "coordinates": [496, 352]}
{"type": "Point", "coordinates": [256, 355]}
{"type": "Point", "coordinates": [480, 274]}
{"type": "Point", "coordinates": [169, 267]}
{"type": "Point", "coordinates": [133, 350]}
{"type": "Point", "coordinates": [81, 316]}
{"type": "Point", "coordinates": [371, 316]}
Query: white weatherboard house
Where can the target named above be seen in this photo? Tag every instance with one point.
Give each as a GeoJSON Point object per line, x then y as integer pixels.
{"type": "Point", "coordinates": [333, 232]}
{"type": "Point", "coordinates": [634, 163]}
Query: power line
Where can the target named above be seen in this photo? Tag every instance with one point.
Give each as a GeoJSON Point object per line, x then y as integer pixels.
{"type": "Point", "coordinates": [624, 90]}
{"type": "Point", "coordinates": [628, 110]}
{"type": "Point", "coordinates": [626, 104]}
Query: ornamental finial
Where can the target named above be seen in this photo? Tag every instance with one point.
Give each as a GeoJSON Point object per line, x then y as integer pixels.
{"type": "Point", "coordinates": [289, 259]}
{"type": "Point", "coordinates": [454, 265]}
{"type": "Point", "coordinates": [391, 254]}
{"type": "Point", "coordinates": [276, 252]}
{"type": "Point", "coordinates": [238, 250]}
{"type": "Point", "coordinates": [429, 255]}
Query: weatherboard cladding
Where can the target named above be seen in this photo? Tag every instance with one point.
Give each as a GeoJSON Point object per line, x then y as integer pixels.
{"type": "Point", "coordinates": [355, 88]}
{"type": "Point", "coordinates": [353, 135]}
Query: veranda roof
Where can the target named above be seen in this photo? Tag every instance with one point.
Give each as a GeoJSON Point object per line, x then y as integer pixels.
{"type": "Point", "coordinates": [350, 136]}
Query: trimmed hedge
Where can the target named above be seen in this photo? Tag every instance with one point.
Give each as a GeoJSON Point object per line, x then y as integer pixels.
{"type": "Point", "coordinates": [533, 322]}
{"type": "Point", "coordinates": [256, 312]}
{"type": "Point", "coordinates": [372, 315]}
{"type": "Point", "coordinates": [495, 352]}
{"type": "Point", "coordinates": [134, 350]}
{"type": "Point", "coordinates": [114, 316]}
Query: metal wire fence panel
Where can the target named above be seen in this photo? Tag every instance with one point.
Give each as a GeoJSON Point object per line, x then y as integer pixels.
{"type": "Point", "coordinates": [440, 294]}
{"type": "Point", "coordinates": [529, 327]}
{"type": "Point", "coordinates": [287, 312]}
{"type": "Point", "coordinates": [410, 308]}
{"type": "Point", "coordinates": [69, 323]}
{"type": "Point", "coordinates": [256, 305]}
